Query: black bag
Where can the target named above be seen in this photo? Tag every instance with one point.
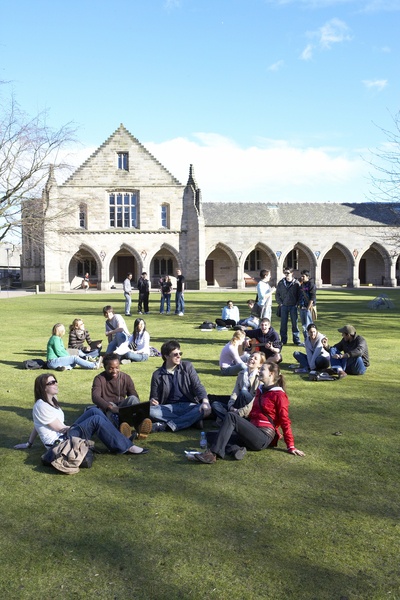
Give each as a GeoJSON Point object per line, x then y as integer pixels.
{"type": "Point", "coordinates": [34, 363]}
{"type": "Point", "coordinates": [278, 311]}
{"type": "Point", "coordinates": [207, 325]}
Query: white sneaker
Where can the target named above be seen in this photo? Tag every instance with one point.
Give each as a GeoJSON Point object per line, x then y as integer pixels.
{"type": "Point", "coordinates": [180, 314]}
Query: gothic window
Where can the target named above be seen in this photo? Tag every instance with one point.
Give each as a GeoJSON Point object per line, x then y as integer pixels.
{"type": "Point", "coordinates": [124, 209]}
{"type": "Point", "coordinates": [253, 261]}
{"type": "Point", "coordinates": [123, 161]}
{"type": "Point", "coordinates": [83, 216]}
{"type": "Point", "coordinates": [165, 215]}
{"type": "Point", "coordinates": [162, 266]}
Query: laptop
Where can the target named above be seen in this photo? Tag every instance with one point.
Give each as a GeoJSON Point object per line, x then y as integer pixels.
{"type": "Point", "coordinates": [93, 345]}
{"type": "Point", "coordinates": [135, 414]}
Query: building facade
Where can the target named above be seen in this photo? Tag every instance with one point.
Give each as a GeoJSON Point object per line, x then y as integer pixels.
{"type": "Point", "coordinates": [122, 211]}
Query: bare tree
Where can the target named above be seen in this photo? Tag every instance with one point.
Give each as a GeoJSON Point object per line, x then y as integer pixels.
{"type": "Point", "coordinates": [28, 147]}
{"type": "Point", "coordinates": [386, 163]}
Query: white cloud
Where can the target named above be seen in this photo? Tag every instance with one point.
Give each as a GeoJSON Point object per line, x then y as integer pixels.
{"type": "Point", "coordinates": [276, 66]}
{"type": "Point", "coordinates": [272, 170]}
{"type": "Point", "coordinates": [334, 31]}
{"type": "Point", "coordinates": [359, 5]}
{"type": "Point", "coordinates": [375, 84]}
{"type": "Point", "coordinates": [307, 53]}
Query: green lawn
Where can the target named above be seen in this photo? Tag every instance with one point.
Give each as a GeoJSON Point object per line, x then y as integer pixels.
{"type": "Point", "coordinates": [158, 527]}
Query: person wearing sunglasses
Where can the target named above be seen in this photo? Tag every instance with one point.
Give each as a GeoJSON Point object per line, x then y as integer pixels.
{"type": "Point", "coordinates": [177, 397]}
{"type": "Point", "coordinates": [288, 295]}
{"type": "Point", "coordinates": [48, 420]}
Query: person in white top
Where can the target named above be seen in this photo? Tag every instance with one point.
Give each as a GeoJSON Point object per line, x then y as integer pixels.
{"type": "Point", "coordinates": [137, 347]}
{"type": "Point", "coordinates": [264, 294]}
{"type": "Point", "coordinates": [127, 286]}
{"type": "Point", "coordinates": [116, 330]}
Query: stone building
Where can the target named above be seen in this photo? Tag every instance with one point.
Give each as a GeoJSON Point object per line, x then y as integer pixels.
{"type": "Point", "coordinates": [121, 211]}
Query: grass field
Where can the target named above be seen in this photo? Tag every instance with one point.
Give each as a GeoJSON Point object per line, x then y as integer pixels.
{"type": "Point", "coordinates": [272, 526]}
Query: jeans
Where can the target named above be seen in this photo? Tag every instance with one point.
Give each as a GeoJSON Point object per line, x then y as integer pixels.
{"type": "Point", "coordinates": [119, 339]}
{"type": "Point", "coordinates": [252, 322]}
{"type": "Point", "coordinates": [93, 421]}
{"type": "Point", "coordinates": [135, 356]}
{"type": "Point", "coordinates": [291, 311]}
{"type": "Point", "coordinates": [302, 359]}
{"type": "Point", "coordinates": [352, 366]}
{"type": "Point", "coordinates": [178, 415]}
{"type": "Point", "coordinates": [70, 361]}
{"type": "Point", "coordinates": [179, 303]}
{"type": "Point", "coordinates": [233, 369]}
{"type": "Point", "coordinates": [247, 435]}
{"type": "Point", "coordinates": [220, 406]}
{"type": "Point", "coordinates": [128, 301]}
{"type": "Point", "coordinates": [306, 319]}
{"type": "Point", "coordinates": [93, 353]}
{"type": "Point", "coordinates": [165, 298]}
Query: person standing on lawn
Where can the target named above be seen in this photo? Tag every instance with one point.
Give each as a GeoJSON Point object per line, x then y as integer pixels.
{"type": "Point", "coordinates": [128, 294]}
{"type": "Point", "coordinates": [264, 294]}
{"type": "Point", "coordinates": [288, 297]}
{"type": "Point", "coordinates": [179, 295]}
{"type": "Point", "coordinates": [143, 286]}
{"type": "Point", "coordinates": [308, 299]}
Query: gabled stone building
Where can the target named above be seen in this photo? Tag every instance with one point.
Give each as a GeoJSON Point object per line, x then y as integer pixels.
{"type": "Point", "coordinates": [121, 211]}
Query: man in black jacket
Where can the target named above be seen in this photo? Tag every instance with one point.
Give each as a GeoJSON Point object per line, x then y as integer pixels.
{"type": "Point", "coordinates": [143, 286]}
{"type": "Point", "coordinates": [288, 297]}
{"type": "Point", "coordinates": [177, 397]}
{"type": "Point", "coordinates": [350, 355]}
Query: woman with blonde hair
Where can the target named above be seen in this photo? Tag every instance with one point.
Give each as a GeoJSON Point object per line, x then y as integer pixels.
{"type": "Point", "coordinates": [58, 357]}
{"type": "Point", "coordinates": [231, 362]}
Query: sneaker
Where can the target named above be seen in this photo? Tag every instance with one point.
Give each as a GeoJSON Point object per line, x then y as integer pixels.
{"type": "Point", "coordinates": [126, 430]}
{"type": "Point", "coordinates": [341, 374]}
{"type": "Point", "coordinates": [293, 366]}
{"type": "Point", "coordinates": [144, 429]}
{"type": "Point", "coordinates": [240, 454]}
{"type": "Point", "coordinates": [61, 368]}
{"type": "Point", "coordinates": [139, 312]}
{"type": "Point", "coordinates": [301, 370]}
{"type": "Point", "coordinates": [125, 361]}
{"type": "Point", "coordinates": [157, 427]}
{"type": "Point", "coordinates": [220, 328]}
{"type": "Point", "coordinates": [180, 314]}
{"type": "Point", "coordinates": [99, 363]}
{"type": "Point", "coordinates": [128, 314]}
{"type": "Point", "coordinates": [207, 458]}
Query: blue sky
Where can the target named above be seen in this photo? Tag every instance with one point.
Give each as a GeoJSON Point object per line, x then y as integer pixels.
{"type": "Point", "coordinates": [271, 100]}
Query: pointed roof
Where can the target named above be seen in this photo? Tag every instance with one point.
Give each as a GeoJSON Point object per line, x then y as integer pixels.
{"type": "Point", "coordinates": [141, 161]}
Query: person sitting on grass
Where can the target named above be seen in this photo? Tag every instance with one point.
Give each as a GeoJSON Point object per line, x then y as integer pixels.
{"type": "Point", "coordinates": [48, 419]}
{"type": "Point", "coordinates": [113, 389]}
{"type": "Point", "coordinates": [230, 316]}
{"type": "Point", "coordinates": [177, 397]}
{"type": "Point", "coordinates": [241, 399]}
{"type": "Point", "coordinates": [59, 358]}
{"type": "Point", "coordinates": [253, 320]}
{"type": "Point", "coordinates": [78, 337]}
{"type": "Point", "coordinates": [266, 340]}
{"type": "Point", "coordinates": [316, 357]}
{"type": "Point", "coordinates": [349, 356]}
{"type": "Point", "coordinates": [231, 360]}
{"type": "Point", "coordinates": [270, 412]}
{"type": "Point", "coordinates": [137, 346]}
{"type": "Point", "coordinates": [116, 330]}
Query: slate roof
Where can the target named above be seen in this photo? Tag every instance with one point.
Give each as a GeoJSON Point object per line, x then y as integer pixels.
{"type": "Point", "coordinates": [365, 214]}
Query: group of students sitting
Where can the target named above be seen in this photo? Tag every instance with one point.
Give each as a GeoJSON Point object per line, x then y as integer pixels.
{"type": "Point", "coordinates": [85, 353]}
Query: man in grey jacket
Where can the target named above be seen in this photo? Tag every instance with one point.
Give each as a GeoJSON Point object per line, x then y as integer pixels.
{"type": "Point", "coordinates": [177, 397]}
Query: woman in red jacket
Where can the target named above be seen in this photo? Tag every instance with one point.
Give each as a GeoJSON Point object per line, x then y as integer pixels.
{"type": "Point", "coordinates": [269, 413]}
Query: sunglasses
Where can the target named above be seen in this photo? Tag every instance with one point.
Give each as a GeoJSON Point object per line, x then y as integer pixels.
{"type": "Point", "coordinates": [176, 354]}
{"type": "Point", "coordinates": [52, 382]}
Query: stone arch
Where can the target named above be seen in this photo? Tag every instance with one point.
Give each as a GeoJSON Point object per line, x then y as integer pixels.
{"type": "Point", "coordinates": [299, 257]}
{"type": "Point", "coordinates": [373, 264]}
{"type": "Point", "coordinates": [257, 257]}
{"type": "Point", "coordinates": [164, 261]}
{"type": "Point", "coordinates": [124, 260]}
{"type": "Point", "coordinates": [222, 266]}
{"type": "Point", "coordinates": [84, 260]}
{"type": "Point", "coordinates": [337, 266]}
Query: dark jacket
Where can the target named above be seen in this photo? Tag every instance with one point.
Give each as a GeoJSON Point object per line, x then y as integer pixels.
{"type": "Point", "coordinates": [288, 294]}
{"type": "Point", "coordinates": [143, 285]}
{"type": "Point", "coordinates": [356, 347]}
{"type": "Point", "coordinates": [188, 381]}
{"type": "Point", "coordinates": [272, 337]}
{"type": "Point", "coordinates": [308, 292]}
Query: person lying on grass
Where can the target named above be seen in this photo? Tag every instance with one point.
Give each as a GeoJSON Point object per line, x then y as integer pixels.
{"type": "Point", "coordinates": [269, 413]}
{"type": "Point", "coordinates": [48, 419]}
